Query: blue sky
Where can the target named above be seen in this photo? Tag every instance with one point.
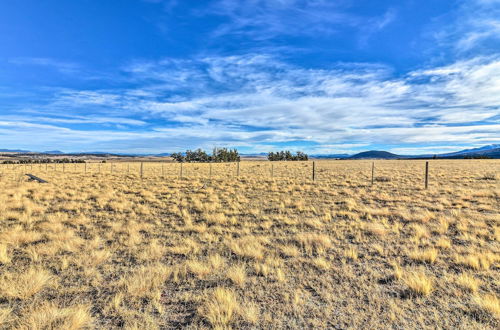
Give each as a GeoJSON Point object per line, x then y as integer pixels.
{"type": "Point", "coordinates": [151, 76]}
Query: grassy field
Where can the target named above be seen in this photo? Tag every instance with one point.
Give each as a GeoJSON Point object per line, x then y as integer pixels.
{"type": "Point", "coordinates": [107, 249]}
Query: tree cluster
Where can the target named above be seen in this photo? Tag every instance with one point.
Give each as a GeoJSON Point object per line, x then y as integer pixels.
{"type": "Point", "coordinates": [44, 161]}
{"type": "Point", "coordinates": [199, 156]}
{"type": "Point", "coordinates": [478, 157]}
{"type": "Point", "coordinates": [286, 155]}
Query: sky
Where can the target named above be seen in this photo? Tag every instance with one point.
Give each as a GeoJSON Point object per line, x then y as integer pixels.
{"type": "Point", "coordinates": [324, 77]}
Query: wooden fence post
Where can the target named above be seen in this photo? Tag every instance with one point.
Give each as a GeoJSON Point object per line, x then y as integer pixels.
{"type": "Point", "coordinates": [373, 171]}
{"type": "Point", "coordinates": [85, 167]}
{"type": "Point", "coordinates": [64, 166]}
{"type": "Point", "coordinates": [142, 169]}
{"type": "Point", "coordinates": [426, 174]}
{"type": "Point", "coordinates": [128, 168]}
{"type": "Point", "coordinates": [314, 171]}
{"type": "Point", "coordinates": [162, 170]}
{"type": "Point", "coordinates": [272, 170]}
{"type": "Point", "coordinates": [181, 171]}
{"type": "Point", "coordinates": [238, 169]}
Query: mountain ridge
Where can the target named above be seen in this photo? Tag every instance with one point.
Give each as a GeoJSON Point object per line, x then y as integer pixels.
{"type": "Point", "coordinates": [492, 150]}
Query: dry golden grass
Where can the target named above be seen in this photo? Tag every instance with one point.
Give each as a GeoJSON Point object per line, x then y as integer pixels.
{"type": "Point", "coordinates": [106, 249]}
{"type": "Point", "coordinates": [418, 283]}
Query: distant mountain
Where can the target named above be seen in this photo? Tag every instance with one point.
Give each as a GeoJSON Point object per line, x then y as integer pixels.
{"type": "Point", "coordinates": [492, 151]}
{"type": "Point", "coordinates": [53, 152]}
{"type": "Point", "coordinates": [332, 156]}
{"type": "Point", "coordinates": [489, 150]}
{"type": "Point", "coordinates": [14, 150]}
{"type": "Point", "coordinates": [375, 154]}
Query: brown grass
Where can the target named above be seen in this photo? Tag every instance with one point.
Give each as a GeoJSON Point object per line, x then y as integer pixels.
{"type": "Point", "coordinates": [109, 250]}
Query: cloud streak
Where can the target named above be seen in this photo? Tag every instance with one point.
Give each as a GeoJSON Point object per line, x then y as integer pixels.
{"type": "Point", "coordinates": [255, 99]}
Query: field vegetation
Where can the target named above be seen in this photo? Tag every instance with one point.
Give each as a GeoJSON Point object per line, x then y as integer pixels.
{"type": "Point", "coordinates": [100, 247]}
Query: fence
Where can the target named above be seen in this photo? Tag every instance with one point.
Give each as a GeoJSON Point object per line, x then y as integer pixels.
{"type": "Point", "coordinates": [415, 173]}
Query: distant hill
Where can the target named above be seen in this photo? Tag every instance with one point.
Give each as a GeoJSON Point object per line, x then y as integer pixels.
{"type": "Point", "coordinates": [14, 150]}
{"type": "Point", "coordinates": [332, 156]}
{"type": "Point", "coordinates": [53, 152]}
{"type": "Point", "coordinates": [492, 150]}
{"type": "Point", "coordinates": [484, 149]}
{"type": "Point", "coordinates": [375, 154]}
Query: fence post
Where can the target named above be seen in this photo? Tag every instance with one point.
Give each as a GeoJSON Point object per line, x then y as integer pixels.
{"type": "Point", "coordinates": [142, 169]}
{"type": "Point", "coordinates": [314, 171]}
{"type": "Point", "coordinates": [181, 171]}
{"type": "Point", "coordinates": [272, 170]}
{"type": "Point", "coordinates": [128, 168]}
{"type": "Point", "coordinates": [85, 167]}
{"type": "Point", "coordinates": [210, 170]}
{"type": "Point", "coordinates": [238, 169]}
{"type": "Point", "coordinates": [373, 171]}
{"type": "Point", "coordinates": [426, 174]}
{"type": "Point", "coordinates": [111, 168]}
{"type": "Point", "coordinates": [64, 166]}
{"type": "Point", "coordinates": [162, 170]}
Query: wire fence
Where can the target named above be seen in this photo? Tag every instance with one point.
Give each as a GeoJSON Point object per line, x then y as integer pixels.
{"type": "Point", "coordinates": [419, 173]}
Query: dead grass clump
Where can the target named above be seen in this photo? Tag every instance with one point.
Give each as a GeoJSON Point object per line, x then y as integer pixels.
{"type": "Point", "coordinates": [468, 282]}
{"type": "Point", "coordinates": [26, 284]}
{"type": "Point", "coordinates": [321, 263]}
{"type": "Point", "coordinates": [351, 253]}
{"type": "Point", "coordinates": [443, 243]}
{"type": "Point", "coordinates": [427, 255]}
{"type": "Point", "coordinates": [313, 243]}
{"type": "Point", "coordinates": [488, 303]}
{"type": "Point", "coordinates": [375, 229]}
{"type": "Point", "coordinates": [49, 316]}
{"type": "Point", "coordinates": [418, 283]}
{"type": "Point", "coordinates": [6, 317]}
{"type": "Point", "coordinates": [419, 231]}
{"type": "Point", "coordinates": [237, 275]}
{"type": "Point", "coordinates": [4, 254]}
{"type": "Point", "coordinates": [219, 308]}
{"type": "Point", "coordinates": [198, 268]}
{"type": "Point", "coordinates": [19, 236]}
{"type": "Point", "coordinates": [146, 280]}
{"type": "Point", "coordinates": [480, 261]}
{"type": "Point", "coordinates": [289, 250]}
{"type": "Point", "coordinates": [247, 247]}
{"type": "Point", "coordinates": [187, 247]}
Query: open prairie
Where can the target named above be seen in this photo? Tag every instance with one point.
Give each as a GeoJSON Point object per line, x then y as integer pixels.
{"type": "Point", "coordinates": [101, 247]}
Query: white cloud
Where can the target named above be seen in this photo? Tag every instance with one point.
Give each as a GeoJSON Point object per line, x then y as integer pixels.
{"type": "Point", "coordinates": [61, 66]}
{"type": "Point", "coordinates": [474, 29]}
{"type": "Point", "coordinates": [256, 99]}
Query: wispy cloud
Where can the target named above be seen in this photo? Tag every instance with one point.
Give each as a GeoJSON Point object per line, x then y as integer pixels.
{"type": "Point", "coordinates": [256, 99]}
{"type": "Point", "coordinates": [59, 65]}
{"type": "Point", "coordinates": [474, 28]}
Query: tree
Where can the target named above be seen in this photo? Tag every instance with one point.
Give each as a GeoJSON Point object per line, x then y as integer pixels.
{"type": "Point", "coordinates": [178, 157]}
{"type": "Point", "coordinates": [286, 155]}
{"type": "Point", "coordinates": [200, 156]}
